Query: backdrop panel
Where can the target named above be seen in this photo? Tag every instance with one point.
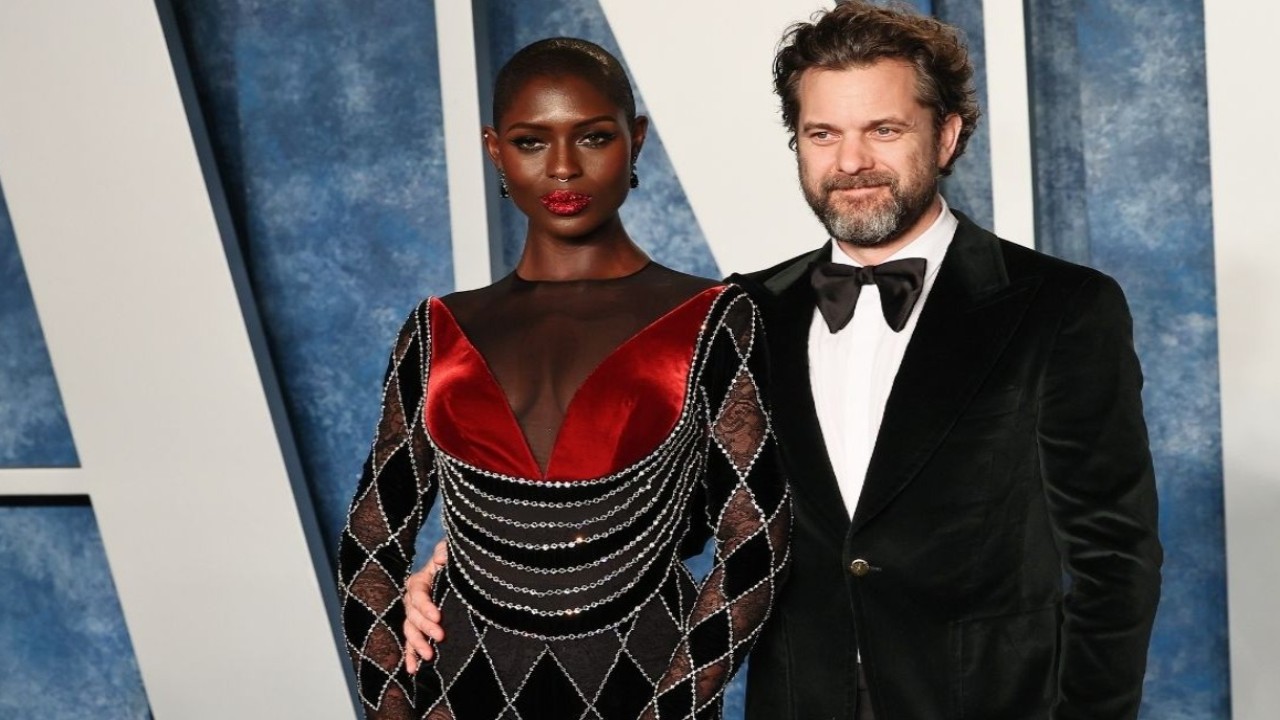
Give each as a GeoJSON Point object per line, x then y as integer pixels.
{"type": "Point", "coordinates": [326, 122]}
{"type": "Point", "coordinates": [64, 649]}
{"type": "Point", "coordinates": [1119, 101]}
{"type": "Point", "coordinates": [33, 423]}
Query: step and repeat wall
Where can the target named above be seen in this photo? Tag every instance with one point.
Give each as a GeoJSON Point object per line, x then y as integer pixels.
{"type": "Point", "coordinates": [215, 215]}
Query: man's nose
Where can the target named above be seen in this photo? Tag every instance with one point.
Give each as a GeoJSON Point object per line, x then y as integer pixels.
{"type": "Point", "coordinates": [853, 155]}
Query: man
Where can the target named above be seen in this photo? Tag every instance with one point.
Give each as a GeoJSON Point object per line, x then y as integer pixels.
{"type": "Point", "coordinates": [948, 469]}
{"type": "Point", "coordinates": [960, 418]}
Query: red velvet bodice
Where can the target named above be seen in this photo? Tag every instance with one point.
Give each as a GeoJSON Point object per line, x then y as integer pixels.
{"type": "Point", "coordinates": [623, 410]}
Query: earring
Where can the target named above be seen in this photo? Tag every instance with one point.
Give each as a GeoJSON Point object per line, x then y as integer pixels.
{"type": "Point", "coordinates": [635, 179]}
{"type": "Point", "coordinates": [503, 191]}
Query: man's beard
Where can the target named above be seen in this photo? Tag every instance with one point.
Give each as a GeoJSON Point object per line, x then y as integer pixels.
{"type": "Point", "coordinates": [870, 222]}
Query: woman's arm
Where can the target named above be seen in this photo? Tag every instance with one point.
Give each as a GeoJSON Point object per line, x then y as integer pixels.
{"type": "Point", "coordinates": [396, 489]}
{"type": "Point", "coordinates": [748, 505]}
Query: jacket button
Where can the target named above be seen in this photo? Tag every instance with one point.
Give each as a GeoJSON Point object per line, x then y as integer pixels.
{"type": "Point", "coordinates": [859, 567]}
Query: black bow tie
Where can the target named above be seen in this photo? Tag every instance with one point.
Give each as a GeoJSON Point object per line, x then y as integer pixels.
{"type": "Point", "coordinates": [838, 287]}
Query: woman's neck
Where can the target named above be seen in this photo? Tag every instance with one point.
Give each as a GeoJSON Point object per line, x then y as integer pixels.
{"type": "Point", "coordinates": [608, 255]}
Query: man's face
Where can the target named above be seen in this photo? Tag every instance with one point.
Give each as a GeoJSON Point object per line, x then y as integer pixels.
{"type": "Point", "coordinates": [868, 152]}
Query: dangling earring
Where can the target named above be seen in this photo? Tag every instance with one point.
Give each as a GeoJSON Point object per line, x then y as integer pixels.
{"type": "Point", "coordinates": [635, 179]}
{"type": "Point", "coordinates": [503, 191]}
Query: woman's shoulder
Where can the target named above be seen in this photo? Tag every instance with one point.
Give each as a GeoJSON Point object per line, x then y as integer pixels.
{"type": "Point", "coordinates": [694, 284]}
{"type": "Point", "coordinates": [728, 301]}
{"type": "Point", "coordinates": [676, 279]}
{"type": "Point", "coordinates": [465, 305]}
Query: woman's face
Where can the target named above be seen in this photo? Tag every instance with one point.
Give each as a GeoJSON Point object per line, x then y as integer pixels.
{"type": "Point", "coordinates": [567, 153]}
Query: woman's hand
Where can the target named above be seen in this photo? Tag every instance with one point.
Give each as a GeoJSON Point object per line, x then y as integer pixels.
{"type": "Point", "coordinates": [422, 617]}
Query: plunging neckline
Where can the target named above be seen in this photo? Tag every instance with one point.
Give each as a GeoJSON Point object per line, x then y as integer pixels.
{"type": "Point", "coordinates": [488, 396]}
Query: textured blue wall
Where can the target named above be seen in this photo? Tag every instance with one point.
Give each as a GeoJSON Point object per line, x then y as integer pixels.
{"type": "Point", "coordinates": [1123, 184]}
{"type": "Point", "coordinates": [64, 648]}
{"type": "Point", "coordinates": [1057, 140]}
{"type": "Point", "coordinates": [326, 123]}
{"type": "Point", "coordinates": [968, 189]}
{"type": "Point", "coordinates": [33, 424]}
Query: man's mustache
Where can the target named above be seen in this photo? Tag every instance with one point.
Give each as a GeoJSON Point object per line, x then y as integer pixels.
{"type": "Point", "coordinates": [857, 182]}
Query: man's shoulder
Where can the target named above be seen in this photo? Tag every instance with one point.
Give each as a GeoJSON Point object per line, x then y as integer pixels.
{"type": "Point", "coordinates": [1020, 261]}
{"type": "Point", "coordinates": [1060, 280]}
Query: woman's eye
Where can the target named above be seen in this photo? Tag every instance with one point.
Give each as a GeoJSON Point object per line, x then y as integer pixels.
{"type": "Point", "coordinates": [527, 143]}
{"type": "Point", "coordinates": [597, 139]}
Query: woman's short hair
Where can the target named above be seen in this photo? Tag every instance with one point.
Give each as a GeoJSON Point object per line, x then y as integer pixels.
{"type": "Point", "coordinates": [560, 56]}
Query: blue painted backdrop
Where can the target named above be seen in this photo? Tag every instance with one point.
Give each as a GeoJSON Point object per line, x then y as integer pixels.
{"type": "Point", "coordinates": [325, 119]}
{"type": "Point", "coordinates": [1121, 144]}
{"type": "Point", "coordinates": [64, 649]}
{"type": "Point", "coordinates": [969, 186]}
{"type": "Point", "coordinates": [326, 125]}
{"type": "Point", "coordinates": [59, 616]}
{"type": "Point", "coordinates": [33, 423]}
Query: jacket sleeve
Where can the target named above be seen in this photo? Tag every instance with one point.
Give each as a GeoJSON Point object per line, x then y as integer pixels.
{"type": "Point", "coordinates": [395, 491]}
{"type": "Point", "coordinates": [1100, 491]}
{"type": "Point", "coordinates": [749, 508]}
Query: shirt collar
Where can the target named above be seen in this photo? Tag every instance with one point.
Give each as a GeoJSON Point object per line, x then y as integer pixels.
{"type": "Point", "coordinates": [931, 245]}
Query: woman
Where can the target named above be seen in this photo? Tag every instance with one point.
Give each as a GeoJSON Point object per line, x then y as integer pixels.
{"type": "Point", "coordinates": [583, 420]}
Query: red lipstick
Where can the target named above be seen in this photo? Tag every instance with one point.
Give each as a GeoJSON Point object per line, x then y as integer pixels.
{"type": "Point", "coordinates": [563, 202]}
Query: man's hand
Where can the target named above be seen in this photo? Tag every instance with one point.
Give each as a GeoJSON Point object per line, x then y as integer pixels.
{"type": "Point", "coordinates": [422, 617]}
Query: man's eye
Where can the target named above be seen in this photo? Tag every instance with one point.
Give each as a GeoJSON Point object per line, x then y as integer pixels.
{"type": "Point", "coordinates": [597, 139]}
{"type": "Point", "coordinates": [884, 131]}
{"type": "Point", "coordinates": [820, 136]}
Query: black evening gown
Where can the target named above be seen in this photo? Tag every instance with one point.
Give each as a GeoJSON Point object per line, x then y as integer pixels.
{"type": "Point", "coordinates": [582, 436]}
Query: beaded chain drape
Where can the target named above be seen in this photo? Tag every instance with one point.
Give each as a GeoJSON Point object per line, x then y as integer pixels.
{"type": "Point", "coordinates": [567, 597]}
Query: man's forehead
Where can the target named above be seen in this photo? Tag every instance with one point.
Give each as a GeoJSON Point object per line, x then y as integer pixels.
{"type": "Point", "coordinates": [884, 69]}
{"type": "Point", "coordinates": [873, 87]}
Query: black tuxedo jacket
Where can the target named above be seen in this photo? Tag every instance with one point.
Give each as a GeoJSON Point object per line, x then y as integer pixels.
{"type": "Point", "coordinates": [1003, 560]}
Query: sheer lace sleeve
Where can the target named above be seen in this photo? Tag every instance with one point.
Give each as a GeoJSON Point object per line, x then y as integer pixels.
{"type": "Point", "coordinates": [749, 508]}
{"type": "Point", "coordinates": [396, 488]}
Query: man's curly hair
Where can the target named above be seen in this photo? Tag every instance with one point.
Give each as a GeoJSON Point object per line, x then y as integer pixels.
{"type": "Point", "coordinates": [857, 34]}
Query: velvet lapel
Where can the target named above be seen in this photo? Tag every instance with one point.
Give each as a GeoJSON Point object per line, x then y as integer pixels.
{"type": "Point", "coordinates": [788, 311]}
{"type": "Point", "coordinates": [966, 323]}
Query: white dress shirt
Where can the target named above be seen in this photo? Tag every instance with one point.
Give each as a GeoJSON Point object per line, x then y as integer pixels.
{"type": "Point", "coordinates": [852, 370]}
